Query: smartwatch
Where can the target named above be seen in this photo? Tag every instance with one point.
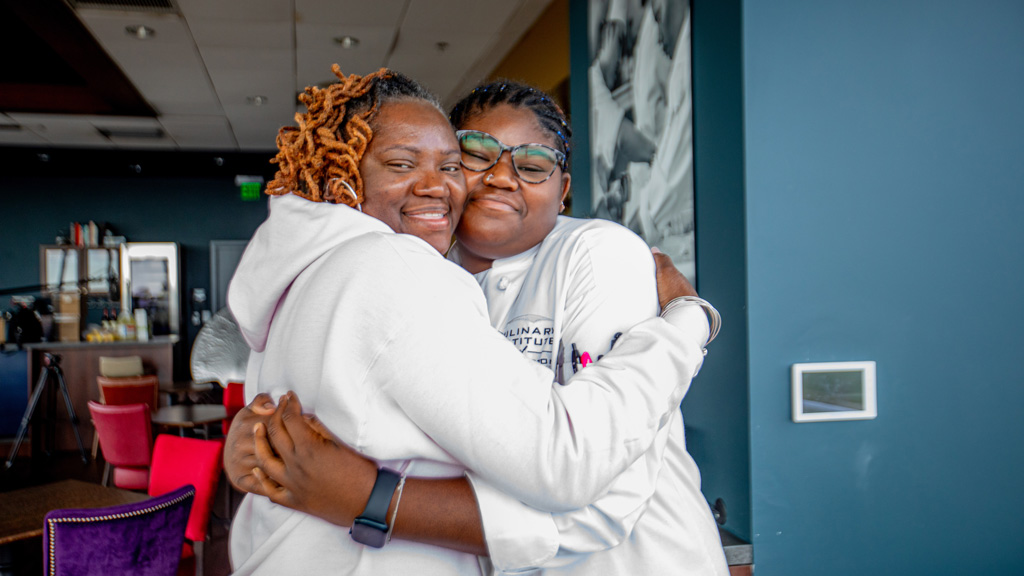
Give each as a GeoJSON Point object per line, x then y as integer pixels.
{"type": "Point", "coordinates": [371, 527]}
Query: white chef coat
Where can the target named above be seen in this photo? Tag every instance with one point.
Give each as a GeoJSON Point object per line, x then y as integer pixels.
{"type": "Point", "coordinates": [586, 282]}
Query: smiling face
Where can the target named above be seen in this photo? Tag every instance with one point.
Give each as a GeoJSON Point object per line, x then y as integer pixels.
{"type": "Point", "coordinates": [411, 173]}
{"type": "Point", "coordinates": [505, 216]}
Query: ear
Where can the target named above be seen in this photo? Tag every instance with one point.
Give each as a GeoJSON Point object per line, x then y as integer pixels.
{"type": "Point", "coordinates": [566, 186]}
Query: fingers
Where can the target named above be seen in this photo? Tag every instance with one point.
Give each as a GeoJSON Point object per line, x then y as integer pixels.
{"type": "Point", "coordinates": [257, 411]}
{"type": "Point", "coordinates": [267, 487]}
{"type": "Point", "coordinates": [238, 462]}
{"type": "Point", "coordinates": [294, 406]}
{"type": "Point", "coordinates": [262, 404]}
{"type": "Point", "coordinates": [248, 483]}
{"type": "Point", "coordinates": [265, 458]}
{"type": "Point", "coordinates": [320, 428]}
{"type": "Point", "coordinates": [277, 430]}
{"type": "Point", "coordinates": [293, 419]}
{"type": "Point", "coordinates": [239, 457]}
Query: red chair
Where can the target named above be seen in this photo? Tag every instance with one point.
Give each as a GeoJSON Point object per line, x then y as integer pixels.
{"type": "Point", "coordinates": [127, 390]}
{"type": "Point", "coordinates": [234, 400]}
{"type": "Point", "coordinates": [130, 390]}
{"type": "Point", "coordinates": [126, 436]}
{"type": "Point", "coordinates": [179, 461]}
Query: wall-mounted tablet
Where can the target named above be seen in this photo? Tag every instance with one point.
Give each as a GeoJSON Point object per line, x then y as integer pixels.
{"type": "Point", "coordinates": [833, 391]}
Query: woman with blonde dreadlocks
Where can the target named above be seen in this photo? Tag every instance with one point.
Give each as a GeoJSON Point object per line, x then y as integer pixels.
{"type": "Point", "coordinates": [344, 297]}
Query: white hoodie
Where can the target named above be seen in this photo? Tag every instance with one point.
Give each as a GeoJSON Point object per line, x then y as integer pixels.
{"type": "Point", "coordinates": [390, 345]}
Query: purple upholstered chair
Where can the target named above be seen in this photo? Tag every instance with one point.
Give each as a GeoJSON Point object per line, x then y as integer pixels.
{"type": "Point", "coordinates": [144, 538]}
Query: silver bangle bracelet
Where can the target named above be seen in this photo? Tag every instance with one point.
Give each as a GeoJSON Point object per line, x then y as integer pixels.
{"type": "Point", "coordinates": [394, 514]}
{"type": "Point", "coordinates": [714, 318]}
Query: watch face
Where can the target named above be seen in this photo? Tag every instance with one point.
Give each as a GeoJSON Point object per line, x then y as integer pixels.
{"type": "Point", "coordinates": [367, 534]}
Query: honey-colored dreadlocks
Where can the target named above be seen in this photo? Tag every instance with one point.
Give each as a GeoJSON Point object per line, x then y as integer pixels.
{"type": "Point", "coordinates": [318, 157]}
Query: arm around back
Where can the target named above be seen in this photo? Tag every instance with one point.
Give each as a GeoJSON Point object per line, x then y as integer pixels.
{"type": "Point", "coordinates": [555, 448]}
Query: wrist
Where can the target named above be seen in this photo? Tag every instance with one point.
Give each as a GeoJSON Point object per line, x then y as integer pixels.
{"type": "Point", "coordinates": [372, 527]}
{"type": "Point", "coordinates": [363, 478]}
{"type": "Point", "coordinates": [714, 319]}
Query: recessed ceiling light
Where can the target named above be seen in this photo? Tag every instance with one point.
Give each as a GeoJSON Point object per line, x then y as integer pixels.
{"type": "Point", "coordinates": [347, 41]}
{"type": "Point", "coordinates": [140, 32]}
{"type": "Point", "coordinates": [256, 100]}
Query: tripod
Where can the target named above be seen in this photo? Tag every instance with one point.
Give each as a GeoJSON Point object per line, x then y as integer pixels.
{"type": "Point", "coordinates": [51, 370]}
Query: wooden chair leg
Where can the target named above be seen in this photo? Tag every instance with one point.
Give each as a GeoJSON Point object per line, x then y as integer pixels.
{"type": "Point", "coordinates": [106, 474]}
{"type": "Point", "coordinates": [95, 443]}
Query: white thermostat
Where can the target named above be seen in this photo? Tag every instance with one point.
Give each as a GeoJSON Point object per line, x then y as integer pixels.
{"type": "Point", "coordinates": [833, 391]}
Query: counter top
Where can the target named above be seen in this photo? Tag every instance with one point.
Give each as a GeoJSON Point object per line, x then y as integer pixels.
{"type": "Point", "coordinates": [737, 551]}
{"type": "Point", "coordinates": [154, 341]}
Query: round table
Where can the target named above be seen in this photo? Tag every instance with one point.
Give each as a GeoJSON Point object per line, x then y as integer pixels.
{"type": "Point", "coordinates": [184, 416]}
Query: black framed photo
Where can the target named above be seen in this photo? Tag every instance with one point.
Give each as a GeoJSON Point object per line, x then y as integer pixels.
{"type": "Point", "coordinates": [641, 122]}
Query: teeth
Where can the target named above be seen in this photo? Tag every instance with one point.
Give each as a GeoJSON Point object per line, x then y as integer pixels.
{"type": "Point", "coordinates": [429, 215]}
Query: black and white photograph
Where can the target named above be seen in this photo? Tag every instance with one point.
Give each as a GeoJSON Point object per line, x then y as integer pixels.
{"type": "Point", "coordinates": [641, 122]}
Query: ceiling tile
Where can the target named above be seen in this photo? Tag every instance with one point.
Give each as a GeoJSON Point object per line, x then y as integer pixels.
{"type": "Point", "coordinates": [256, 128]}
{"type": "Point", "coordinates": [23, 137]}
{"type": "Point", "coordinates": [243, 34]}
{"type": "Point", "coordinates": [165, 143]}
{"type": "Point", "coordinates": [232, 10]}
{"type": "Point", "coordinates": [261, 61]}
{"type": "Point", "coordinates": [235, 86]}
{"type": "Point", "coordinates": [108, 26]}
{"type": "Point", "coordinates": [480, 16]}
{"type": "Point", "coordinates": [439, 70]}
{"type": "Point", "coordinates": [166, 69]}
{"type": "Point", "coordinates": [349, 13]}
{"type": "Point", "coordinates": [200, 132]}
{"type": "Point", "coordinates": [63, 130]}
{"type": "Point", "coordinates": [123, 122]}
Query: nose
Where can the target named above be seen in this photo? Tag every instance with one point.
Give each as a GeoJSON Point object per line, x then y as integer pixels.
{"type": "Point", "coordinates": [503, 173]}
{"type": "Point", "coordinates": [432, 184]}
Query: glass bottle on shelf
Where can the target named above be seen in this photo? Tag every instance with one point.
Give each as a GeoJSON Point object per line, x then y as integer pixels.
{"type": "Point", "coordinates": [126, 325]}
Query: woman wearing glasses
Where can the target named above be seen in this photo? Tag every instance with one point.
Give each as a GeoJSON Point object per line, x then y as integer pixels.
{"type": "Point", "coordinates": [561, 290]}
{"type": "Point", "coordinates": [582, 281]}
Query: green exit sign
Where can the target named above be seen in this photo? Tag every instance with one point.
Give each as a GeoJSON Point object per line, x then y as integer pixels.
{"type": "Point", "coordinates": [250, 191]}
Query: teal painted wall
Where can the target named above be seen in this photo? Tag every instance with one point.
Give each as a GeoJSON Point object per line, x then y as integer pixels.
{"type": "Point", "coordinates": [579, 108]}
{"type": "Point", "coordinates": [884, 154]}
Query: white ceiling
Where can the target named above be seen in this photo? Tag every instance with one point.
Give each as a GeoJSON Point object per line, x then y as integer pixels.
{"type": "Point", "coordinates": [206, 61]}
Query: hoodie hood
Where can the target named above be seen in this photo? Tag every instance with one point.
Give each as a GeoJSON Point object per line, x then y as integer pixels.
{"type": "Point", "coordinates": [296, 233]}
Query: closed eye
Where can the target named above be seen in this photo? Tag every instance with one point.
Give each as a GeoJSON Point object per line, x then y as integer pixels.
{"type": "Point", "coordinates": [478, 155]}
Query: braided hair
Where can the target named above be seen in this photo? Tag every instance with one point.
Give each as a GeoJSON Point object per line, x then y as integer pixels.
{"type": "Point", "coordinates": [487, 96]}
{"type": "Point", "coordinates": [317, 158]}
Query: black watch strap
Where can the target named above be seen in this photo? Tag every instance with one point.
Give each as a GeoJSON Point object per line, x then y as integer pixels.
{"type": "Point", "coordinates": [371, 527]}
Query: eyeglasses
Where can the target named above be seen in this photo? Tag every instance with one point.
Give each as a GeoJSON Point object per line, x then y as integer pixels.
{"type": "Point", "coordinates": [534, 163]}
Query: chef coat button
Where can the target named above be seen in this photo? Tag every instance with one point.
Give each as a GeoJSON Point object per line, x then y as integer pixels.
{"type": "Point", "coordinates": [503, 284]}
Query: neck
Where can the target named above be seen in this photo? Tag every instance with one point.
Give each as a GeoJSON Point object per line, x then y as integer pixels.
{"type": "Point", "coordinates": [473, 263]}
